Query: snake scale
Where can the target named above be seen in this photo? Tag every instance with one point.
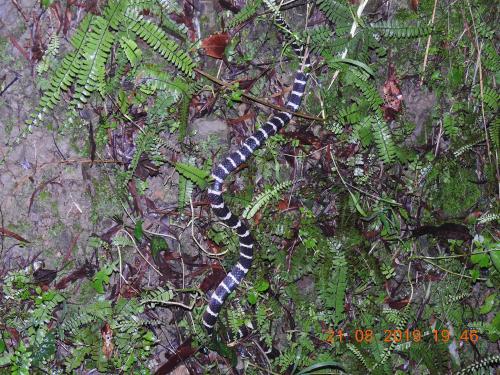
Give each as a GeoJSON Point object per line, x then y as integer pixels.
{"type": "Point", "coordinates": [231, 163]}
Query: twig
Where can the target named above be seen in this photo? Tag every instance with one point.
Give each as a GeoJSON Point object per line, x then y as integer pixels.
{"type": "Point", "coordinates": [121, 266]}
{"type": "Point", "coordinates": [257, 100]}
{"type": "Point", "coordinates": [428, 46]}
{"type": "Point", "coordinates": [475, 42]}
{"type": "Point", "coordinates": [440, 134]}
{"type": "Point", "coordinates": [354, 27]}
{"type": "Point", "coordinates": [20, 10]}
{"type": "Point", "coordinates": [452, 272]}
{"type": "Point", "coordinates": [348, 185]}
{"type": "Point", "coordinates": [10, 84]}
{"type": "Point", "coordinates": [191, 223]}
{"type": "Point", "coordinates": [171, 303]}
{"type": "Point", "coordinates": [423, 257]}
{"type": "Point", "coordinates": [68, 161]}
{"type": "Point", "coordinates": [141, 254]}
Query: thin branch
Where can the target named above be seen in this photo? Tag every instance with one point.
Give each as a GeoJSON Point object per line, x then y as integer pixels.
{"type": "Point", "coordinates": [352, 33]}
{"type": "Point", "coordinates": [452, 272]}
{"type": "Point", "coordinates": [257, 100]}
{"type": "Point", "coordinates": [428, 46]}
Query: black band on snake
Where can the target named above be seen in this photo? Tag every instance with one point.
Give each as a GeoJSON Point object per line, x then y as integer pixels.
{"type": "Point", "coordinates": [232, 162]}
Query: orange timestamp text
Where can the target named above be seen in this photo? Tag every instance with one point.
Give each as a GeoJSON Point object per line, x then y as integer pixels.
{"type": "Point", "coordinates": [398, 336]}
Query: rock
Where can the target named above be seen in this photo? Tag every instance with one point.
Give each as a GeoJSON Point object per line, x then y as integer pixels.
{"type": "Point", "coordinates": [203, 128]}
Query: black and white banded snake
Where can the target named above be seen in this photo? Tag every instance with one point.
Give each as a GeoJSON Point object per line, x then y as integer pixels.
{"type": "Point", "coordinates": [231, 163]}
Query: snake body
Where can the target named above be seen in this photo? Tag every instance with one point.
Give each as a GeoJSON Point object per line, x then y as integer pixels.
{"type": "Point", "coordinates": [231, 163]}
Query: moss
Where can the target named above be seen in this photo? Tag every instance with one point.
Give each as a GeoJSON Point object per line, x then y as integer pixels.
{"type": "Point", "coordinates": [455, 192]}
{"type": "Point", "coordinates": [43, 196]}
{"type": "Point", "coordinates": [105, 203]}
{"type": "Point", "coordinates": [56, 229]}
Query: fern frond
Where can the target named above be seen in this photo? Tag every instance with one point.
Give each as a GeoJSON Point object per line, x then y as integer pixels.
{"type": "Point", "coordinates": [482, 363]}
{"type": "Point", "coordinates": [147, 141]}
{"type": "Point", "coordinates": [184, 117]}
{"type": "Point", "coordinates": [457, 297]}
{"type": "Point", "coordinates": [340, 286]}
{"type": "Point", "coordinates": [159, 296]}
{"type": "Point", "coordinates": [197, 175]}
{"type": "Point", "coordinates": [52, 50]}
{"type": "Point", "coordinates": [185, 191]}
{"type": "Point", "coordinates": [494, 132]}
{"type": "Point", "coordinates": [97, 311]}
{"type": "Point", "coordinates": [383, 140]}
{"type": "Point", "coordinates": [157, 7]}
{"type": "Point", "coordinates": [66, 73]}
{"type": "Point", "coordinates": [114, 12]}
{"type": "Point", "coordinates": [386, 353]}
{"type": "Point", "coordinates": [161, 8]}
{"type": "Point", "coordinates": [486, 218]}
{"type": "Point", "coordinates": [247, 12]}
{"type": "Point", "coordinates": [359, 356]}
{"type": "Point", "coordinates": [450, 126]}
{"type": "Point", "coordinates": [263, 198]}
{"type": "Point", "coordinates": [334, 127]}
{"type": "Point", "coordinates": [395, 29]}
{"type": "Point", "coordinates": [335, 12]}
{"type": "Point", "coordinates": [159, 41]}
{"type": "Point", "coordinates": [465, 148]}
{"type": "Point", "coordinates": [321, 39]}
{"type": "Point", "coordinates": [490, 97]}
{"type": "Point", "coordinates": [186, 187]}
{"type": "Point", "coordinates": [490, 59]}
{"type": "Point", "coordinates": [360, 79]}
{"type": "Point", "coordinates": [94, 54]}
{"type": "Point", "coordinates": [132, 51]}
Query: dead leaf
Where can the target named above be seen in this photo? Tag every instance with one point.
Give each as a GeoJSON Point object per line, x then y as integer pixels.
{"type": "Point", "coordinates": [392, 96]}
{"type": "Point", "coordinates": [215, 45]}
{"type": "Point", "coordinates": [182, 353]}
{"type": "Point", "coordinates": [107, 341]}
{"type": "Point", "coordinates": [446, 231]}
{"type": "Point", "coordinates": [257, 217]}
{"type": "Point", "coordinates": [44, 276]}
{"type": "Point", "coordinates": [397, 304]}
{"type": "Point", "coordinates": [82, 272]}
{"type": "Point", "coordinates": [8, 233]}
{"type": "Point", "coordinates": [247, 116]}
{"type": "Point", "coordinates": [283, 204]}
{"type": "Point", "coordinates": [214, 279]}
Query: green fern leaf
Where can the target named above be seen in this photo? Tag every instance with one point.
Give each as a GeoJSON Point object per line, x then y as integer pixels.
{"type": "Point", "coordinates": [340, 284]}
{"type": "Point", "coordinates": [247, 12]}
{"type": "Point", "coordinates": [159, 41]}
{"type": "Point", "coordinates": [320, 39]}
{"type": "Point", "coordinates": [160, 296]}
{"type": "Point", "coordinates": [263, 198]}
{"type": "Point", "coordinates": [94, 54]}
{"type": "Point", "coordinates": [65, 74]}
{"type": "Point", "coordinates": [383, 140]}
{"type": "Point", "coordinates": [198, 176]}
{"type": "Point", "coordinates": [482, 363]}
{"type": "Point", "coordinates": [335, 12]}
{"type": "Point", "coordinates": [395, 29]}
{"type": "Point", "coordinates": [133, 53]}
{"type": "Point", "coordinates": [360, 79]}
{"type": "Point", "coordinates": [486, 218]}
{"type": "Point", "coordinates": [494, 132]}
{"type": "Point", "coordinates": [114, 12]}
{"type": "Point", "coordinates": [184, 117]}
{"type": "Point", "coordinates": [358, 355]}
{"type": "Point", "coordinates": [490, 97]}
